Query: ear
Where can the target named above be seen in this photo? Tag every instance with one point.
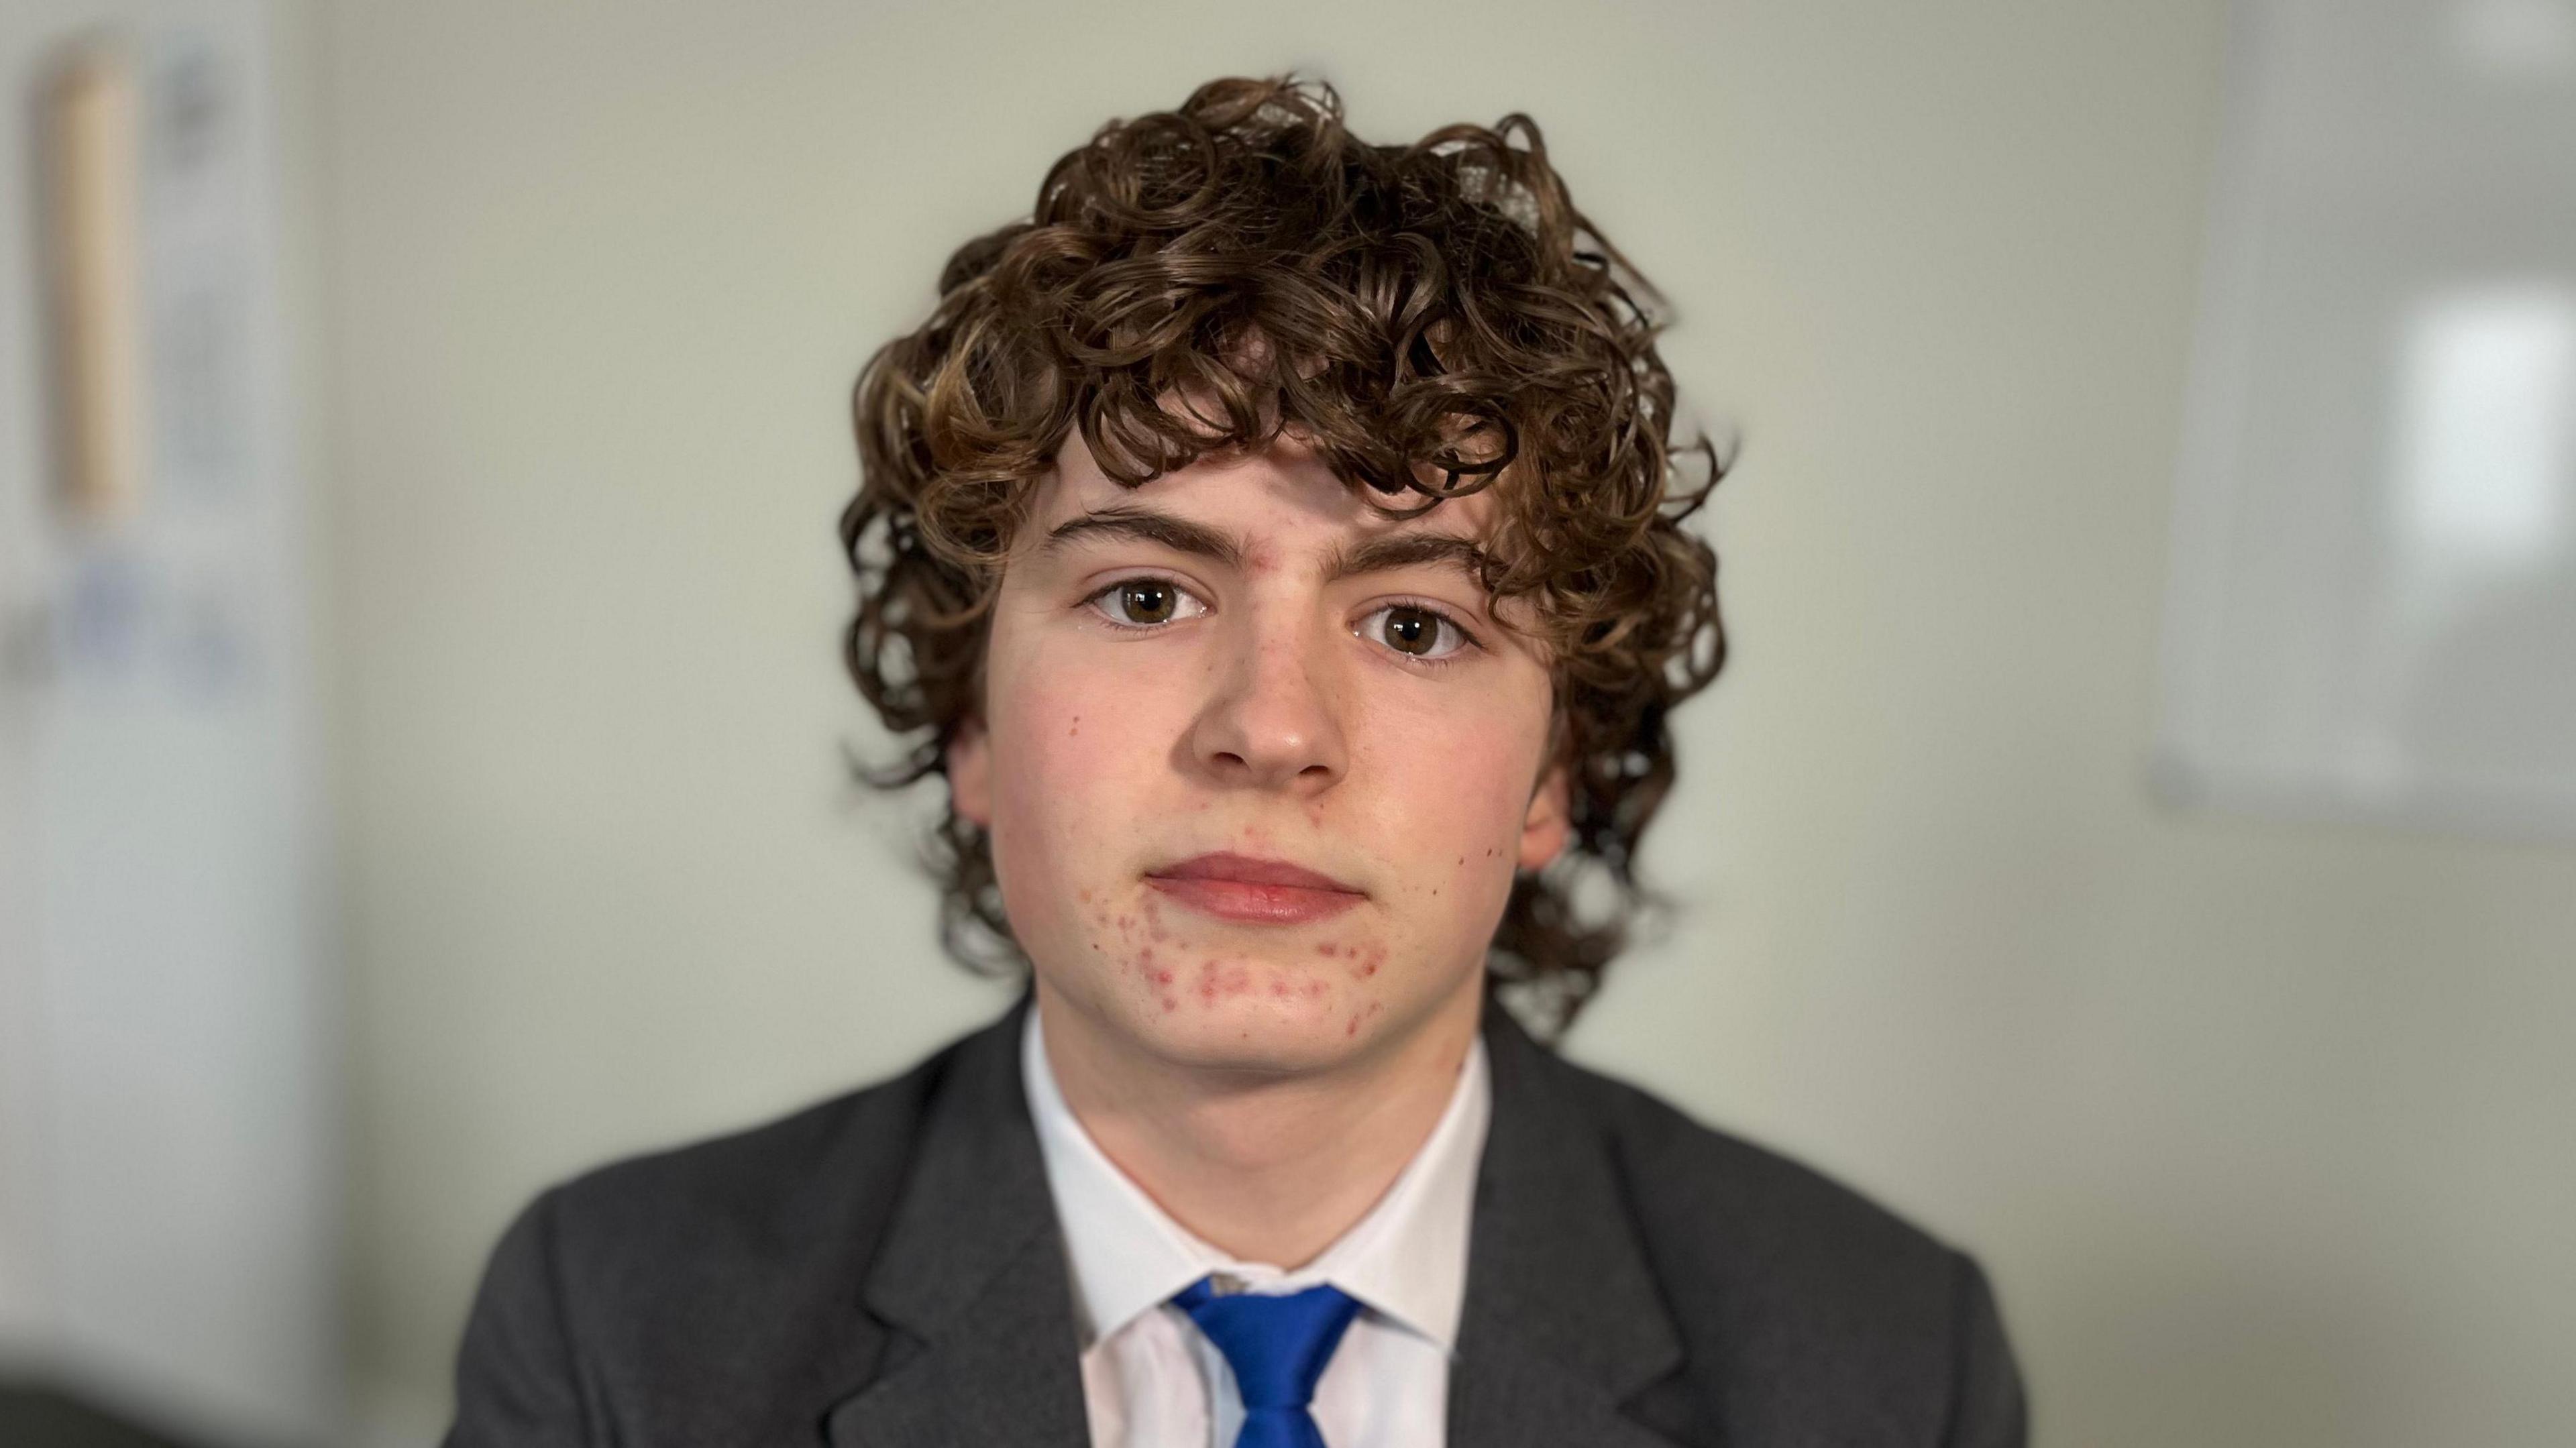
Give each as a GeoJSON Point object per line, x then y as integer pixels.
{"type": "Point", "coordinates": [970, 772]}
{"type": "Point", "coordinates": [1547, 826]}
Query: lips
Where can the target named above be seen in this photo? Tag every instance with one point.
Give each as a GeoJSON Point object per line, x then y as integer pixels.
{"type": "Point", "coordinates": [1260, 892]}
{"type": "Point", "coordinates": [1226, 865]}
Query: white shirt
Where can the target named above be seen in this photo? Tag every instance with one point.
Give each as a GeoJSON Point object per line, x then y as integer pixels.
{"type": "Point", "coordinates": [1151, 1379]}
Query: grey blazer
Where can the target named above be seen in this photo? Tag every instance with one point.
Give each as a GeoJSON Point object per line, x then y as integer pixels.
{"type": "Point", "coordinates": [885, 1269]}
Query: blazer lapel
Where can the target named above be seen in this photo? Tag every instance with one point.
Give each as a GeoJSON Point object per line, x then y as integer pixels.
{"type": "Point", "coordinates": [1562, 1322]}
{"type": "Point", "coordinates": [971, 1276]}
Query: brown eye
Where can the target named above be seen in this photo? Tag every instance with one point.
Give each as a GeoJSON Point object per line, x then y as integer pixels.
{"type": "Point", "coordinates": [1147, 601]}
{"type": "Point", "coordinates": [1411, 631]}
{"type": "Point", "coordinates": [1415, 632]}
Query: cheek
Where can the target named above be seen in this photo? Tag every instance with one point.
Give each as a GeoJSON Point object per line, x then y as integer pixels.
{"type": "Point", "coordinates": [1449, 814]}
{"type": "Point", "coordinates": [1072, 750]}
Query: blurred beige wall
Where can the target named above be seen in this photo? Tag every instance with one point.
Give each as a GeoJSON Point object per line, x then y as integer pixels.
{"type": "Point", "coordinates": [2262, 1128]}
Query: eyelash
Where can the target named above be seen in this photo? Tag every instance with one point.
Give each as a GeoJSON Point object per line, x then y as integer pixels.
{"type": "Point", "coordinates": [1447, 619]}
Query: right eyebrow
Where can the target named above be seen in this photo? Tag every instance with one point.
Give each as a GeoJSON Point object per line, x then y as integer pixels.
{"type": "Point", "coordinates": [1147, 525]}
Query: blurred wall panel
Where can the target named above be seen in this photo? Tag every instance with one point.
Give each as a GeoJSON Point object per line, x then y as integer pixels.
{"type": "Point", "coordinates": [2374, 606]}
{"type": "Point", "coordinates": [168, 1239]}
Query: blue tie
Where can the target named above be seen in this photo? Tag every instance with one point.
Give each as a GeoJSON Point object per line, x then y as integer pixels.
{"type": "Point", "coordinates": [1278, 1347]}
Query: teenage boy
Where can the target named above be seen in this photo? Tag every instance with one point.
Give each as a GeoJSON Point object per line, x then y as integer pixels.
{"type": "Point", "coordinates": [1275, 545]}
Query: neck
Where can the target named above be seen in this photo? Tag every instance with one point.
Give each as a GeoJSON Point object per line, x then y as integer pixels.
{"type": "Point", "coordinates": [1267, 1166]}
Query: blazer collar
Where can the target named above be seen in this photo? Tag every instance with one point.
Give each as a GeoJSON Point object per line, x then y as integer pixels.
{"type": "Point", "coordinates": [1562, 1322]}
{"type": "Point", "coordinates": [971, 1276]}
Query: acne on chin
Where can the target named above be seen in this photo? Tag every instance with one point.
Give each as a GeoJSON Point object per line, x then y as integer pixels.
{"type": "Point", "coordinates": [1172, 977]}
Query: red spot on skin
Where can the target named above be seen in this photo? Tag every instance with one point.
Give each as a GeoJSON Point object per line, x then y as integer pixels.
{"type": "Point", "coordinates": [1369, 969]}
{"type": "Point", "coordinates": [1217, 978]}
{"type": "Point", "coordinates": [1279, 988]}
{"type": "Point", "coordinates": [1235, 979]}
{"type": "Point", "coordinates": [1316, 987]}
{"type": "Point", "coordinates": [1170, 1004]}
{"type": "Point", "coordinates": [1353, 1028]}
{"type": "Point", "coordinates": [1086, 897]}
{"type": "Point", "coordinates": [1126, 922]}
{"type": "Point", "coordinates": [1327, 949]}
{"type": "Point", "coordinates": [1163, 977]}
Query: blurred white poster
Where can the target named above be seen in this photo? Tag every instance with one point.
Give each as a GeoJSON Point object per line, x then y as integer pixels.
{"type": "Point", "coordinates": [167, 1179]}
{"type": "Point", "coordinates": [2373, 608]}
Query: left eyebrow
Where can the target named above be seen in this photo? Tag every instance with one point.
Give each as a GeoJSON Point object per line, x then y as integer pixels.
{"type": "Point", "coordinates": [1150, 525]}
{"type": "Point", "coordinates": [1382, 554]}
{"type": "Point", "coordinates": [1410, 550]}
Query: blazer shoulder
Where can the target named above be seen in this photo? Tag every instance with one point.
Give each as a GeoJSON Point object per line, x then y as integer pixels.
{"type": "Point", "coordinates": [678, 1295]}
{"type": "Point", "coordinates": [1734, 1224]}
{"type": "Point", "coordinates": [678, 1229]}
{"type": "Point", "coordinates": [1833, 1308]}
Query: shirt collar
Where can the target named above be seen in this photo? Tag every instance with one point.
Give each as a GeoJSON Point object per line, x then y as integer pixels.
{"type": "Point", "coordinates": [1406, 1259]}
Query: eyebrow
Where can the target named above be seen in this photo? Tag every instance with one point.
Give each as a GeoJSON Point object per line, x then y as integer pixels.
{"type": "Point", "coordinates": [1378, 555]}
{"type": "Point", "coordinates": [1147, 525]}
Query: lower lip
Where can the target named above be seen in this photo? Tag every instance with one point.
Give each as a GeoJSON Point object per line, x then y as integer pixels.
{"type": "Point", "coordinates": [1251, 904]}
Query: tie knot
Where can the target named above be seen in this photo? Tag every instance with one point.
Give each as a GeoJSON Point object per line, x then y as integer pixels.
{"type": "Point", "coordinates": [1277, 1345]}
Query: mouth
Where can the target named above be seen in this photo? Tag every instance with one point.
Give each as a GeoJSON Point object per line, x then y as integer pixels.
{"type": "Point", "coordinates": [1254, 892]}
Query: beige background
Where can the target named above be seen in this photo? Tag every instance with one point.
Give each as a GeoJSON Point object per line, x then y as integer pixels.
{"type": "Point", "coordinates": [2263, 1129]}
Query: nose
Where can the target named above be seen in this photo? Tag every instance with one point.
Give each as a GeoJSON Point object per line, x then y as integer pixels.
{"type": "Point", "coordinates": [1272, 718]}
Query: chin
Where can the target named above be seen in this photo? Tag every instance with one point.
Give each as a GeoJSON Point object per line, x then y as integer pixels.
{"type": "Point", "coordinates": [1287, 1003]}
{"type": "Point", "coordinates": [1258, 1034]}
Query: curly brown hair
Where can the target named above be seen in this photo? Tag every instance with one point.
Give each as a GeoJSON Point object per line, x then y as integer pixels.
{"type": "Point", "coordinates": [1432, 319]}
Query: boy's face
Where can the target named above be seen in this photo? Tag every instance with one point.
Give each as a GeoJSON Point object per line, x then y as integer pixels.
{"type": "Point", "coordinates": [1206, 675]}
